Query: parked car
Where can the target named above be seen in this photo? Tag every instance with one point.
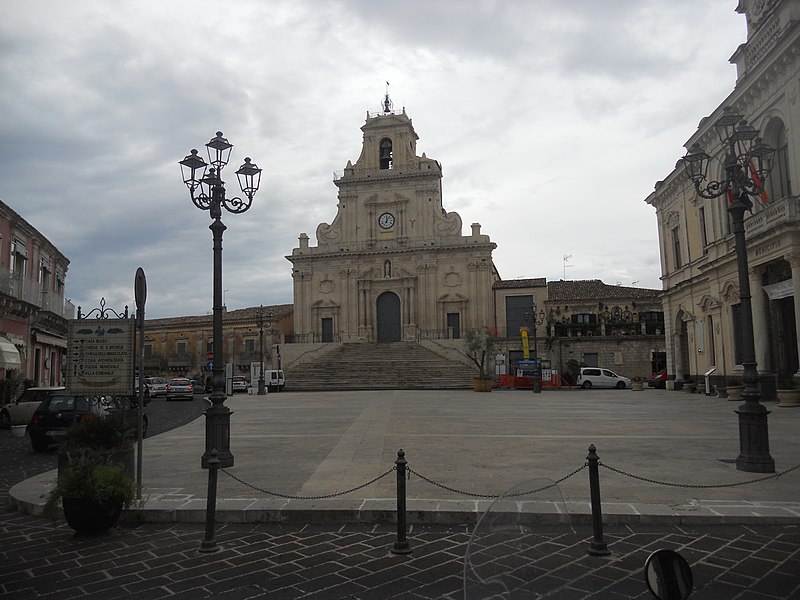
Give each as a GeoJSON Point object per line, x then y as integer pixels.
{"type": "Point", "coordinates": [239, 384]}
{"type": "Point", "coordinates": [155, 386]}
{"type": "Point", "coordinates": [59, 411]}
{"type": "Point", "coordinates": [602, 378]}
{"type": "Point", "coordinates": [21, 410]}
{"type": "Point", "coordinates": [658, 380]}
{"type": "Point", "coordinates": [180, 388]}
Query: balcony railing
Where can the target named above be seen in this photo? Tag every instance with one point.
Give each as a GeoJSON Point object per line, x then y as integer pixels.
{"type": "Point", "coordinates": [29, 290]}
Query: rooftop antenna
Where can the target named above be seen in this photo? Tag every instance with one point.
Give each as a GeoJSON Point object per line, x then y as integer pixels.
{"type": "Point", "coordinates": [633, 284]}
{"type": "Point", "coordinates": [566, 258]}
{"type": "Point", "coordinates": [387, 102]}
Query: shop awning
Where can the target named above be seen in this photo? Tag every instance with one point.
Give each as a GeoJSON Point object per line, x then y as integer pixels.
{"type": "Point", "coordinates": [44, 338]}
{"type": "Point", "coordinates": [9, 355]}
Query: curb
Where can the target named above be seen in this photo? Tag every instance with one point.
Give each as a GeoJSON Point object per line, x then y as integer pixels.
{"type": "Point", "coordinates": [29, 497]}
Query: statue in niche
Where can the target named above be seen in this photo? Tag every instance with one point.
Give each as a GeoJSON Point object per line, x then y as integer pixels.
{"type": "Point", "coordinates": [387, 269]}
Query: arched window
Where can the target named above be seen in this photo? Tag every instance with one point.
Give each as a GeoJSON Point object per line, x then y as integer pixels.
{"type": "Point", "coordinates": [779, 183]}
{"type": "Point", "coordinates": [386, 153]}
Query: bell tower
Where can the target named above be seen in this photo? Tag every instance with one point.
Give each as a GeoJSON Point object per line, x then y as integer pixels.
{"type": "Point", "coordinates": [393, 261]}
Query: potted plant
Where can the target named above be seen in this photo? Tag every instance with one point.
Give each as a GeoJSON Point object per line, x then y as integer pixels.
{"type": "Point", "coordinates": [95, 478]}
{"type": "Point", "coordinates": [480, 344]}
{"type": "Point", "coordinates": [734, 389]}
{"type": "Point", "coordinates": [18, 429]}
{"type": "Point", "coordinates": [788, 393]}
{"type": "Point", "coordinates": [93, 491]}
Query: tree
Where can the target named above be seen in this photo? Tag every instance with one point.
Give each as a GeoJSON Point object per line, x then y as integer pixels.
{"type": "Point", "coordinates": [480, 344]}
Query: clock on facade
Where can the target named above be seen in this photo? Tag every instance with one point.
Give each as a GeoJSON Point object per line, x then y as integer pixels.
{"type": "Point", "coordinates": [386, 220]}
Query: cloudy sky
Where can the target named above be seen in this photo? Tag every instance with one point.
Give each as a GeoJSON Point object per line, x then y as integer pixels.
{"type": "Point", "coordinates": [552, 120]}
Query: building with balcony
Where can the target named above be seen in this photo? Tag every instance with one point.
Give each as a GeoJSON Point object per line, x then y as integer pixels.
{"type": "Point", "coordinates": [183, 346]}
{"type": "Point", "coordinates": [581, 323]}
{"type": "Point", "coordinates": [33, 310]}
{"type": "Point", "coordinates": [698, 258]}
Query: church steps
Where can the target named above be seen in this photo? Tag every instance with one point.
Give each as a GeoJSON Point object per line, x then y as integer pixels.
{"type": "Point", "coordinates": [364, 366]}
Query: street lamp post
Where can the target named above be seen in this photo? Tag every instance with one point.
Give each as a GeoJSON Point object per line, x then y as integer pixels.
{"type": "Point", "coordinates": [262, 388]}
{"type": "Point", "coordinates": [747, 165]}
{"type": "Point", "coordinates": [207, 191]}
{"type": "Point", "coordinates": [536, 320]}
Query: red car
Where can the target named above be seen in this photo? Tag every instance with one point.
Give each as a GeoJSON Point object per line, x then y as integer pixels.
{"type": "Point", "coordinates": [658, 380]}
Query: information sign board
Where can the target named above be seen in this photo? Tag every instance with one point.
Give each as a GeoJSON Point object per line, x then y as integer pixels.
{"type": "Point", "coordinates": [100, 357]}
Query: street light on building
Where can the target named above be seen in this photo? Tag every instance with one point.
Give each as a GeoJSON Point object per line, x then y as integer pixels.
{"type": "Point", "coordinates": [207, 190]}
{"type": "Point", "coordinates": [746, 166]}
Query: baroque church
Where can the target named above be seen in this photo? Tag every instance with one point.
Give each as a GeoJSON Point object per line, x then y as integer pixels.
{"type": "Point", "coordinates": [393, 265]}
{"type": "Point", "coordinates": [385, 297]}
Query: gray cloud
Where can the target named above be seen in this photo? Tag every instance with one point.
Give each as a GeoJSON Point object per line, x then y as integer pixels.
{"type": "Point", "coordinates": [528, 105]}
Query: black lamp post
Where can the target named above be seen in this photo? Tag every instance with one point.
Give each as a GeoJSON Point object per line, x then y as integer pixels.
{"type": "Point", "coordinates": [208, 193]}
{"type": "Point", "coordinates": [747, 164]}
{"type": "Point", "coordinates": [535, 321]}
{"type": "Point", "coordinates": [262, 388]}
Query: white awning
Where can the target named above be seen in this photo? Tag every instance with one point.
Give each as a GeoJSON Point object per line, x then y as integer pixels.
{"type": "Point", "coordinates": [9, 355]}
{"type": "Point", "coordinates": [44, 338]}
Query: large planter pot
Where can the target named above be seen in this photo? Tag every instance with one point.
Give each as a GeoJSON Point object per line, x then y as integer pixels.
{"type": "Point", "coordinates": [722, 392]}
{"type": "Point", "coordinates": [482, 384]}
{"type": "Point", "coordinates": [637, 386]}
{"type": "Point", "coordinates": [85, 515]}
{"type": "Point", "coordinates": [18, 430]}
{"type": "Point", "coordinates": [735, 392]}
{"type": "Point", "coordinates": [789, 398]}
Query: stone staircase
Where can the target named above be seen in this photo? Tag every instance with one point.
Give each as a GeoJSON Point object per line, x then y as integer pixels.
{"type": "Point", "coordinates": [365, 366]}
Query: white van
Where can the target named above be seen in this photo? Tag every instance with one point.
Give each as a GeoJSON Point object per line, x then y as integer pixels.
{"type": "Point", "coordinates": [599, 377]}
{"type": "Point", "coordinates": [274, 380]}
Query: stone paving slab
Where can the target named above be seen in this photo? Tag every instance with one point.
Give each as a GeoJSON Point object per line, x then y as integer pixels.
{"type": "Point", "coordinates": [463, 443]}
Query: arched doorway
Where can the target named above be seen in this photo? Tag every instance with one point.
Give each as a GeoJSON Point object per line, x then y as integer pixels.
{"type": "Point", "coordinates": [388, 313]}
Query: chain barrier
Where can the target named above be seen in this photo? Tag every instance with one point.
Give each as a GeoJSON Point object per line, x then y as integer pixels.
{"type": "Point", "coordinates": [474, 495]}
{"type": "Point", "coordinates": [324, 497]}
{"type": "Point", "coordinates": [697, 486]}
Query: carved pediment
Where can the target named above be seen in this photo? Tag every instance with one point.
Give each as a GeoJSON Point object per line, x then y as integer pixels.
{"type": "Point", "coordinates": [708, 302]}
{"type": "Point", "coordinates": [452, 298]}
{"type": "Point", "coordinates": [730, 292]}
{"type": "Point", "coordinates": [325, 303]}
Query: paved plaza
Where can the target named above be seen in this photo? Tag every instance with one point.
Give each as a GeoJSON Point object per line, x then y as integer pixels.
{"type": "Point", "coordinates": [739, 531]}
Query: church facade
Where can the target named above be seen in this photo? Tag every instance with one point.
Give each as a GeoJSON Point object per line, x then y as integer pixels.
{"type": "Point", "coordinates": [393, 264]}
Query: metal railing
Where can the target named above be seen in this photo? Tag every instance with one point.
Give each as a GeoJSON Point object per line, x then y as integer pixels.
{"type": "Point", "coordinates": [597, 547]}
{"type": "Point", "coordinates": [29, 290]}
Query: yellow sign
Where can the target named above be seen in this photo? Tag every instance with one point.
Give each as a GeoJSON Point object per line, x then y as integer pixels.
{"type": "Point", "coordinates": [526, 353]}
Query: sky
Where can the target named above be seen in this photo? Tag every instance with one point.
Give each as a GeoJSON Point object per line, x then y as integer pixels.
{"type": "Point", "coordinates": [552, 120]}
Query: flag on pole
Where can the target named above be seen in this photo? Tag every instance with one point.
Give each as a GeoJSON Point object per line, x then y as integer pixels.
{"type": "Point", "coordinates": [759, 182]}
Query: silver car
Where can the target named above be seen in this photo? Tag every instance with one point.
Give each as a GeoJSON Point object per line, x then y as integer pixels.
{"type": "Point", "coordinates": [180, 388]}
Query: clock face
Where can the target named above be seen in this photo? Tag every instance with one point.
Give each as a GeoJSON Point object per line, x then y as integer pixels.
{"type": "Point", "coordinates": [386, 220]}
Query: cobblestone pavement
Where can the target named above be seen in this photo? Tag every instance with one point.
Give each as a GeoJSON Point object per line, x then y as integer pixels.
{"type": "Point", "coordinates": [41, 558]}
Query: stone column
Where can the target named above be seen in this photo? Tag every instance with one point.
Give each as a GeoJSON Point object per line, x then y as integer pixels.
{"type": "Point", "coordinates": [760, 327]}
{"type": "Point", "coordinates": [794, 261]}
{"type": "Point", "coordinates": [677, 352]}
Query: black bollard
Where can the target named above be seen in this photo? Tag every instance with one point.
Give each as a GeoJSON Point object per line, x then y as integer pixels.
{"type": "Point", "coordinates": [598, 547]}
{"type": "Point", "coordinates": [209, 543]}
{"type": "Point", "coordinates": [401, 545]}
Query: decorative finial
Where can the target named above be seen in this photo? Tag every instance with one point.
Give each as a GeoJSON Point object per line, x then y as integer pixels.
{"type": "Point", "coordinates": [387, 102]}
